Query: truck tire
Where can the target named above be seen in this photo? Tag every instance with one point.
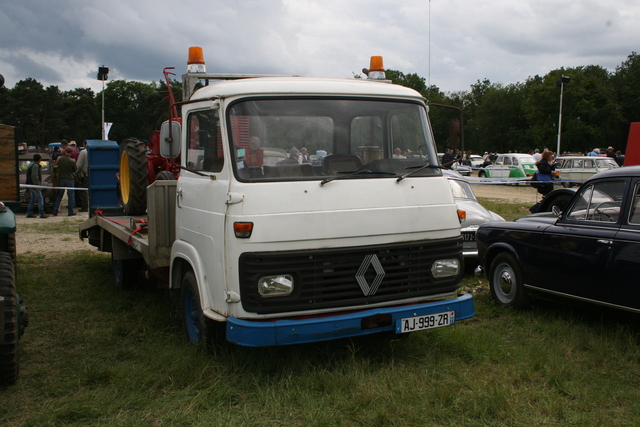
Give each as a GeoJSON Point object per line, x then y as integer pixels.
{"type": "Point", "coordinates": [125, 272]}
{"type": "Point", "coordinates": [505, 281]}
{"type": "Point", "coordinates": [199, 329]}
{"type": "Point", "coordinates": [134, 176]}
{"type": "Point", "coordinates": [9, 343]}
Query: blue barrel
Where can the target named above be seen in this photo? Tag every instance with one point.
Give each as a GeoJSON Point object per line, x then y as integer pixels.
{"type": "Point", "coordinates": [104, 165]}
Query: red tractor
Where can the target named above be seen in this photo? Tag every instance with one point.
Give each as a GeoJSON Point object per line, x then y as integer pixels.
{"type": "Point", "coordinates": [141, 163]}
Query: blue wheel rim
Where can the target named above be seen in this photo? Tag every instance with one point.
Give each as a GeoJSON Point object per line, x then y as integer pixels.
{"type": "Point", "coordinates": [191, 316]}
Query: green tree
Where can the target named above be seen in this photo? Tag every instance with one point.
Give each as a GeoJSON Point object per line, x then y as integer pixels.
{"type": "Point", "coordinates": [81, 116]}
{"type": "Point", "coordinates": [626, 81]}
{"type": "Point", "coordinates": [133, 108]}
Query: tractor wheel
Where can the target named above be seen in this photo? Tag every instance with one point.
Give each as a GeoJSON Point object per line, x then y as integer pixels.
{"type": "Point", "coordinates": [134, 176]}
{"type": "Point", "coordinates": [9, 343]}
{"type": "Point", "coordinates": [8, 244]}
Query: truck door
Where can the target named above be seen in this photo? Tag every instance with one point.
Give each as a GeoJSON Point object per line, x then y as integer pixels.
{"type": "Point", "coordinates": [200, 195]}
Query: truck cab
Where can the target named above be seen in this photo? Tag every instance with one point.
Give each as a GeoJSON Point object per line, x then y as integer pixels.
{"type": "Point", "coordinates": [359, 229]}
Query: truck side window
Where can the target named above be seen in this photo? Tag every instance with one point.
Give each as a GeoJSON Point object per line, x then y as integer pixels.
{"type": "Point", "coordinates": [204, 150]}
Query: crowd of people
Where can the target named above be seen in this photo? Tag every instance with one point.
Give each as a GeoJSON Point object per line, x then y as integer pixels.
{"type": "Point", "coordinates": [69, 168]}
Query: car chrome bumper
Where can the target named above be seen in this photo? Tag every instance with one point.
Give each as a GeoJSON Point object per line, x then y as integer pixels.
{"type": "Point", "coordinates": [252, 333]}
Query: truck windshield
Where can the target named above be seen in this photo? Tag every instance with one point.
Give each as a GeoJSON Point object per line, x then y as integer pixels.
{"type": "Point", "coordinates": [318, 138]}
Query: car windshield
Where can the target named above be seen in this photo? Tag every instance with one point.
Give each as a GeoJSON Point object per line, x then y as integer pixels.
{"type": "Point", "coordinates": [325, 139]}
{"type": "Point", "coordinates": [461, 189]}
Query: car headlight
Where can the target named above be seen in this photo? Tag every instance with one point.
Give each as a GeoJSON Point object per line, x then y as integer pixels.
{"type": "Point", "coordinates": [445, 267]}
{"type": "Point", "coordinates": [275, 286]}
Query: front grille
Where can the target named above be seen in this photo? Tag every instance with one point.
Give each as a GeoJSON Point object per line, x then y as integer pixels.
{"type": "Point", "coordinates": [327, 278]}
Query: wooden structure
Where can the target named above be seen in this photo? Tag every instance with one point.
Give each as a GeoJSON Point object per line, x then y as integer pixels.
{"type": "Point", "coordinates": [9, 179]}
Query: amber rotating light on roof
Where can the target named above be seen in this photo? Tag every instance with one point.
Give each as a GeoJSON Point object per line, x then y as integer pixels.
{"type": "Point", "coordinates": [195, 63]}
{"type": "Point", "coordinates": [376, 69]}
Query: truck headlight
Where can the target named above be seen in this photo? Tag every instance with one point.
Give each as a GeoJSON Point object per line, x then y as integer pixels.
{"type": "Point", "coordinates": [275, 286]}
{"type": "Point", "coordinates": [445, 267]}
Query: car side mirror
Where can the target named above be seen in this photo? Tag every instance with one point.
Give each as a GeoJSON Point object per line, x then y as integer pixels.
{"type": "Point", "coordinates": [170, 139]}
{"type": "Point", "coordinates": [556, 210]}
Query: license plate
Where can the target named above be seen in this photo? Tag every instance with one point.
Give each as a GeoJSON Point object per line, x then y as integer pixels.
{"type": "Point", "coordinates": [428, 321]}
{"type": "Point", "coordinates": [469, 237]}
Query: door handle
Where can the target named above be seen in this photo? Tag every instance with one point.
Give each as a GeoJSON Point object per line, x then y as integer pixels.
{"type": "Point", "coordinates": [605, 241]}
{"type": "Point", "coordinates": [179, 197]}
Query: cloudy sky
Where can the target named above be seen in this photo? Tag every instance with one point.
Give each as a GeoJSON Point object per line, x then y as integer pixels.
{"type": "Point", "coordinates": [451, 43]}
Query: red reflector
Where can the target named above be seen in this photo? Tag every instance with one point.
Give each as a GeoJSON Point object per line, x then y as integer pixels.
{"type": "Point", "coordinates": [242, 230]}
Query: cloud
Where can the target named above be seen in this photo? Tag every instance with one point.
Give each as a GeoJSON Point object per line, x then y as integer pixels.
{"type": "Point", "coordinates": [453, 43]}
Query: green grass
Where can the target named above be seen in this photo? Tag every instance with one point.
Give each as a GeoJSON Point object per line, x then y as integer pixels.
{"type": "Point", "coordinates": [96, 355]}
{"type": "Point", "coordinates": [509, 211]}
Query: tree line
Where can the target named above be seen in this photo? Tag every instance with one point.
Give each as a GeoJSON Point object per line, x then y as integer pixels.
{"type": "Point", "coordinates": [597, 109]}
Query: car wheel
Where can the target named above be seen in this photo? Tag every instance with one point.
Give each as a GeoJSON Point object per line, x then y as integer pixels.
{"type": "Point", "coordinates": [198, 328]}
{"type": "Point", "coordinates": [505, 281]}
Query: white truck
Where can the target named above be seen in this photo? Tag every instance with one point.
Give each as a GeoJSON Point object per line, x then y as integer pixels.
{"type": "Point", "coordinates": [266, 248]}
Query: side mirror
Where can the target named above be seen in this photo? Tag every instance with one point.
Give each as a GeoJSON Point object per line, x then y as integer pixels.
{"type": "Point", "coordinates": [170, 139]}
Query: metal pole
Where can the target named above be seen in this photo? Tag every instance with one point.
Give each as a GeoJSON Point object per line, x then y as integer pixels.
{"type": "Point", "coordinates": [103, 133]}
{"type": "Point", "coordinates": [560, 117]}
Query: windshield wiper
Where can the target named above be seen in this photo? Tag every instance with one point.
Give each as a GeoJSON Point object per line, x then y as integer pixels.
{"type": "Point", "coordinates": [358, 172]}
{"type": "Point", "coordinates": [417, 169]}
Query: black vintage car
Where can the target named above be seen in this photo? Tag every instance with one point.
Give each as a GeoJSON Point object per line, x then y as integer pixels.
{"type": "Point", "coordinates": [590, 251]}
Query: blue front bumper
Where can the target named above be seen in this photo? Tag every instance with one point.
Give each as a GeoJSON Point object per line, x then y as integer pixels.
{"type": "Point", "coordinates": [253, 333]}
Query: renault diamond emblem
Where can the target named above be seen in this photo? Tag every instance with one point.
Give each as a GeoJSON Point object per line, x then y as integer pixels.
{"type": "Point", "coordinates": [370, 260]}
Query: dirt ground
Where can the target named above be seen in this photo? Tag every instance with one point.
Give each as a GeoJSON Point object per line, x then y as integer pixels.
{"type": "Point", "coordinates": [31, 239]}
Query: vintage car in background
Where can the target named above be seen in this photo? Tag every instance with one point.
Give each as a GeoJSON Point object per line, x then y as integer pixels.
{"type": "Point", "coordinates": [476, 213]}
{"type": "Point", "coordinates": [476, 161]}
{"type": "Point", "coordinates": [590, 252]}
{"type": "Point", "coordinates": [577, 169]}
{"type": "Point", "coordinates": [456, 166]}
{"type": "Point", "coordinates": [512, 165]}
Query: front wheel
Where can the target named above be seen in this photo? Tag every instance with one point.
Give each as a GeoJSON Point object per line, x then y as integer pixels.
{"type": "Point", "coordinates": [199, 329]}
{"type": "Point", "coordinates": [505, 281]}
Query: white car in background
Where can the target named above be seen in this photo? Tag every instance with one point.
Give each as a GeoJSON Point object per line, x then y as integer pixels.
{"type": "Point", "coordinates": [580, 168]}
{"type": "Point", "coordinates": [476, 213]}
{"type": "Point", "coordinates": [476, 161]}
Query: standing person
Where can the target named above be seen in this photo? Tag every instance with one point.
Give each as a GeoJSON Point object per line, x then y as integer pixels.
{"type": "Point", "coordinates": [611, 153]}
{"type": "Point", "coordinates": [55, 154]}
{"type": "Point", "coordinates": [545, 173]}
{"type": "Point", "coordinates": [34, 177]}
{"type": "Point", "coordinates": [76, 153]}
{"type": "Point", "coordinates": [447, 159]}
{"type": "Point", "coordinates": [66, 169]}
{"type": "Point", "coordinates": [304, 156]}
{"type": "Point", "coordinates": [82, 180]}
